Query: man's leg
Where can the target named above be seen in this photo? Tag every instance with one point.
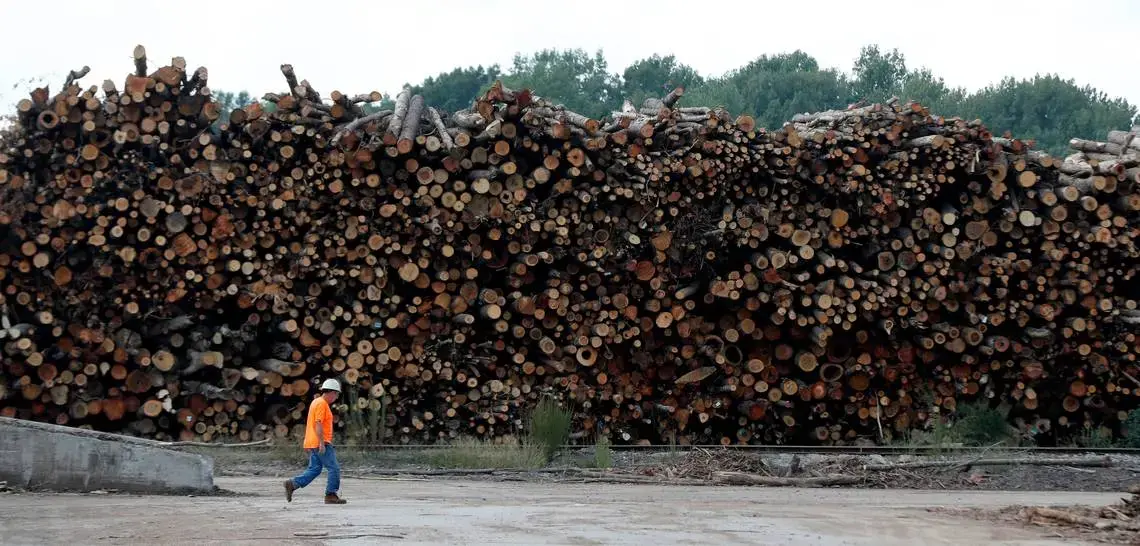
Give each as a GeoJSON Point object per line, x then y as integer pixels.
{"type": "Point", "coordinates": [306, 477]}
{"type": "Point", "coordinates": [333, 467]}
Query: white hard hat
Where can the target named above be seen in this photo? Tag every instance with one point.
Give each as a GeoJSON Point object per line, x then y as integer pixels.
{"type": "Point", "coordinates": [330, 385]}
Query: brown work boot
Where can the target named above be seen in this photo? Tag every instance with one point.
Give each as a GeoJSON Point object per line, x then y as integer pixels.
{"type": "Point", "coordinates": [333, 499]}
{"type": "Point", "coordinates": [289, 488]}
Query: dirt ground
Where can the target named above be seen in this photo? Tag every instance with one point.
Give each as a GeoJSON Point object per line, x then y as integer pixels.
{"type": "Point", "coordinates": [699, 464]}
{"type": "Point", "coordinates": [453, 511]}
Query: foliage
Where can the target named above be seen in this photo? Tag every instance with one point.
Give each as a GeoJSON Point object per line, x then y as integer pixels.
{"type": "Point", "coordinates": [978, 424]}
{"type": "Point", "coordinates": [572, 77]}
{"type": "Point", "coordinates": [470, 453]}
{"type": "Point", "coordinates": [229, 102]}
{"type": "Point", "coordinates": [458, 89]}
{"type": "Point", "coordinates": [603, 453]}
{"type": "Point", "coordinates": [719, 92]}
{"type": "Point", "coordinates": [776, 88]}
{"type": "Point", "coordinates": [931, 91]}
{"type": "Point", "coordinates": [1131, 430]}
{"type": "Point", "coordinates": [1094, 437]}
{"type": "Point", "coordinates": [364, 419]}
{"type": "Point", "coordinates": [1049, 109]}
{"type": "Point", "coordinates": [385, 103]}
{"type": "Point", "coordinates": [941, 437]}
{"type": "Point", "coordinates": [972, 425]}
{"type": "Point", "coordinates": [550, 426]}
{"type": "Point", "coordinates": [655, 77]}
{"type": "Point", "coordinates": [878, 75]}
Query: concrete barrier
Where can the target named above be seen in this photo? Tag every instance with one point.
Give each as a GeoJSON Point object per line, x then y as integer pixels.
{"type": "Point", "coordinates": [43, 456]}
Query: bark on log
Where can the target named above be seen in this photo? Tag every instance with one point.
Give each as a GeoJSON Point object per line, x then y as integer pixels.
{"type": "Point", "coordinates": [396, 124]}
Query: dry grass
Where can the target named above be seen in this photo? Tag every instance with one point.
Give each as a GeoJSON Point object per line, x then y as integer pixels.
{"type": "Point", "coordinates": [470, 454]}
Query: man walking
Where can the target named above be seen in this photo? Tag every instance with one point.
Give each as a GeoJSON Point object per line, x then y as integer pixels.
{"type": "Point", "coordinates": [318, 444]}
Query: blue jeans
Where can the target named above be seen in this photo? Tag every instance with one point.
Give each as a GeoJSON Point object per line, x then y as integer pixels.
{"type": "Point", "coordinates": [316, 462]}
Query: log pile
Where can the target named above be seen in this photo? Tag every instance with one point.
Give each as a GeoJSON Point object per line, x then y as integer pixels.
{"type": "Point", "coordinates": [672, 273]}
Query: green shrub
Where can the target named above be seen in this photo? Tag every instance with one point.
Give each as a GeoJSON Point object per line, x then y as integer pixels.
{"type": "Point", "coordinates": [943, 437]}
{"type": "Point", "coordinates": [1131, 430]}
{"type": "Point", "coordinates": [978, 424]}
{"type": "Point", "coordinates": [550, 426]}
{"type": "Point", "coordinates": [603, 454]}
{"type": "Point", "coordinates": [1094, 438]}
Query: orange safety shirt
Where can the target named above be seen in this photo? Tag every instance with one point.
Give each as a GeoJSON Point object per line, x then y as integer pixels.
{"type": "Point", "coordinates": [318, 411]}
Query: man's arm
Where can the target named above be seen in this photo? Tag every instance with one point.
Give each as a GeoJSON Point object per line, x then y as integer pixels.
{"type": "Point", "coordinates": [319, 426]}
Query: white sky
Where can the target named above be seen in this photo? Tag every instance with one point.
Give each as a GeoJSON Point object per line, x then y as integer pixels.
{"type": "Point", "coordinates": [360, 46]}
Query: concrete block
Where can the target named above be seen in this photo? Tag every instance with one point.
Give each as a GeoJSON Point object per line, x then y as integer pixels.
{"type": "Point", "coordinates": [44, 456]}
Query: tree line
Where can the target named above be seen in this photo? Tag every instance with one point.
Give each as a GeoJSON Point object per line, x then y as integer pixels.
{"type": "Point", "coordinates": [1047, 108]}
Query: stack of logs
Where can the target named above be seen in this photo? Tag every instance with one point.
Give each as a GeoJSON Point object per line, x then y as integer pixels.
{"type": "Point", "coordinates": [671, 273]}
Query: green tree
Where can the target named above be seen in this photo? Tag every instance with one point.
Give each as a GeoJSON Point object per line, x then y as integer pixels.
{"type": "Point", "coordinates": [571, 77]}
{"type": "Point", "coordinates": [931, 91]}
{"type": "Point", "coordinates": [457, 89]}
{"type": "Point", "coordinates": [719, 92]}
{"type": "Point", "coordinates": [656, 76]}
{"type": "Point", "coordinates": [775, 88]}
{"type": "Point", "coordinates": [230, 101]}
{"type": "Point", "coordinates": [878, 75]}
{"type": "Point", "coordinates": [1049, 109]}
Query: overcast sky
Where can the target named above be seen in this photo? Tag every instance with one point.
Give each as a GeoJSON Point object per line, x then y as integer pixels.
{"type": "Point", "coordinates": [360, 46]}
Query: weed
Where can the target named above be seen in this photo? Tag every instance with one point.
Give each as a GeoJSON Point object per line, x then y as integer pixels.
{"type": "Point", "coordinates": [550, 426]}
{"type": "Point", "coordinates": [1131, 432]}
{"type": "Point", "coordinates": [674, 454]}
{"type": "Point", "coordinates": [943, 437]}
{"type": "Point", "coordinates": [908, 438]}
{"type": "Point", "coordinates": [603, 453]}
{"type": "Point", "coordinates": [1094, 438]}
{"type": "Point", "coordinates": [978, 424]}
{"type": "Point", "coordinates": [365, 419]}
{"type": "Point", "coordinates": [471, 453]}
{"type": "Point", "coordinates": [354, 427]}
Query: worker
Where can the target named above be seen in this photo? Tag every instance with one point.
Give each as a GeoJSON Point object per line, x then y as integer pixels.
{"type": "Point", "coordinates": [318, 444]}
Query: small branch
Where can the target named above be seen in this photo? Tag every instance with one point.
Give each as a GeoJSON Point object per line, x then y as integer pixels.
{"type": "Point", "coordinates": [465, 472]}
{"type": "Point", "coordinates": [878, 420]}
{"type": "Point", "coordinates": [1104, 462]}
{"type": "Point", "coordinates": [212, 444]}
{"type": "Point", "coordinates": [1130, 376]}
{"type": "Point", "coordinates": [326, 536]}
{"type": "Point", "coordinates": [633, 480]}
{"type": "Point", "coordinates": [743, 478]}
